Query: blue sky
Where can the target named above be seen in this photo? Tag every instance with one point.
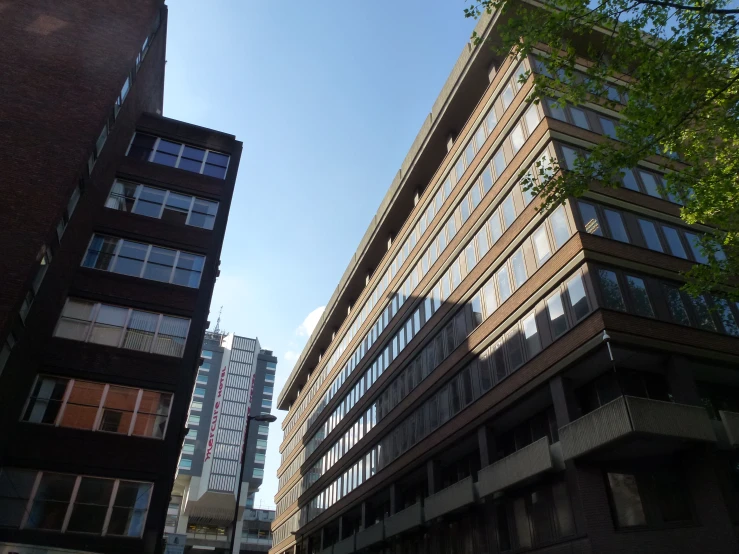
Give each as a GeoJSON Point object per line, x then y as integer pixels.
{"type": "Point", "coordinates": [327, 98]}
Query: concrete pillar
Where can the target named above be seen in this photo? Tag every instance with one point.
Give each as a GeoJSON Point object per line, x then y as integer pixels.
{"type": "Point", "coordinates": [341, 527]}
{"type": "Point", "coordinates": [323, 539]}
{"type": "Point", "coordinates": [363, 520]}
{"type": "Point", "coordinates": [237, 533]}
{"type": "Point", "coordinates": [182, 522]}
{"type": "Point", "coordinates": [681, 381]}
{"type": "Point", "coordinates": [393, 500]}
{"type": "Point", "coordinates": [486, 444]}
{"type": "Point", "coordinates": [433, 474]}
{"type": "Point", "coordinates": [564, 401]}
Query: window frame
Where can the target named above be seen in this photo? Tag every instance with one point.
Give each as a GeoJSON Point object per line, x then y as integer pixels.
{"type": "Point", "coordinates": [206, 152]}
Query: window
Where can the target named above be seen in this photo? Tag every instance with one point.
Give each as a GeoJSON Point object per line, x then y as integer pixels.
{"type": "Point", "coordinates": [75, 403]}
{"type": "Point", "coordinates": [532, 118]}
{"type": "Point", "coordinates": [531, 335]}
{"type": "Point", "coordinates": [609, 127]}
{"type": "Point", "coordinates": [499, 163]}
{"type": "Point", "coordinates": [676, 306]}
{"type": "Point", "coordinates": [639, 296]}
{"type": "Point", "coordinates": [629, 181]}
{"type": "Point", "coordinates": [504, 285]}
{"type": "Point", "coordinates": [144, 260]}
{"type": "Point", "coordinates": [507, 96]}
{"type": "Point", "coordinates": [202, 379]}
{"type": "Point", "coordinates": [695, 248]}
{"type": "Point", "coordinates": [261, 444]}
{"type": "Point", "coordinates": [259, 458]}
{"type": "Point", "coordinates": [158, 203]}
{"type": "Point", "coordinates": [557, 315]}
{"type": "Point", "coordinates": [650, 235]}
{"type": "Point", "coordinates": [193, 420]}
{"type": "Point", "coordinates": [727, 318]}
{"type": "Point", "coordinates": [541, 244]}
{"type": "Point", "coordinates": [673, 242]}
{"type": "Point", "coordinates": [491, 121]}
{"type": "Point", "coordinates": [198, 392]}
{"type": "Point", "coordinates": [66, 216]}
{"type": "Point", "coordinates": [650, 183]}
{"type": "Point", "coordinates": [579, 118]}
{"type": "Point", "coordinates": [16, 487]}
{"type": "Point", "coordinates": [556, 110]}
{"type": "Point", "coordinates": [197, 406]}
{"type": "Point", "coordinates": [651, 498]}
{"type": "Point", "coordinates": [258, 473]}
{"type": "Point", "coordinates": [560, 227]}
{"type": "Point", "coordinates": [192, 434]}
{"type": "Point", "coordinates": [175, 154]}
{"type": "Point", "coordinates": [616, 225]}
{"type": "Point", "coordinates": [263, 429]}
{"type": "Point", "coordinates": [519, 268]}
{"type": "Point", "coordinates": [266, 403]}
{"type": "Point", "coordinates": [570, 157]}
{"type": "Point", "coordinates": [578, 298]}
{"type": "Point", "coordinates": [495, 229]}
{"type": "Point", "coordinates": [703, 313]}
{"type": "Point", "coordinates": [80, 504]}
{"type": "Point", "coordinates": [207, 354]}
{"type": "Point", "coordinates": [509, 210]}
{"type": "Point", "coordinates": [517, 138]}
{"type": "Point", "coordinates": [612, 298]}
{"type": "Point", "coordinates": [185, 463]}
{"type": "Point", "coordinates": [590, 219]}
{"type": "Point", "coordinates": [188, 448]}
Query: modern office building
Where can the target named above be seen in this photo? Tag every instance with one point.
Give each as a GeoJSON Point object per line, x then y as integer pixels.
{"type": "Point", "coordinates": [236, 378]}
{"type": "Point", "coordinates": [111, 238]}
{"type": "Point", "coordinates": [489, 377]}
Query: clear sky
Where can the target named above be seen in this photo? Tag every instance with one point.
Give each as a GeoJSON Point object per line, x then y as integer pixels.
{"type": "Point", "coordinates": [327, 98]}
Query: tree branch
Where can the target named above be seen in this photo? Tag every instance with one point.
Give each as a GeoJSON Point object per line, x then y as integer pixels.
{"type": "Point", "coordinates": [665, 4]}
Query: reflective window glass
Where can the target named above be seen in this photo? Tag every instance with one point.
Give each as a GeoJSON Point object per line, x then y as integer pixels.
{"type": "Point", "coordinates": [612, 297]}
{"type": "Point", "coordinates": [650, 235]}
{"type": "Point", "coordinates": [639, 296]}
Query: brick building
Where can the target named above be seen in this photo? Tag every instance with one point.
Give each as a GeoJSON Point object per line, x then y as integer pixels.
{"type": "Point", "coordinates": [489, 377]}
{"type": "Point", "coordinates": [111, 237]}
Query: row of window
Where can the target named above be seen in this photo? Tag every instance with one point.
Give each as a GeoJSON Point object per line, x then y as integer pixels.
{"type": "Point", "coordinates": [72, 503]}
{"type": "Point", "coordinates": [510, 207]}
{"type": "Point", "coordinates": [513, 204]}
{"type": "Point", "coordinates": [149, 148]}
{"type": "Point", "coordinates": [627, 227]}
{"type": "Point", "coordinates": [145, 261]}
{"type": "Point", "coordinates": [98, 407]}
{"type": "Point", "coordinates": [583, 118]}
{"type": "Point", "coordinates": [443, 189]}
{"type": "Point", "coordinates": [99, 323]}
{"type": "Point", "coordinates": [565, 307]}
{"type": "Point", "coordinates": [602, 89]}
{"type": "Point", "coordinates": [174, 207]}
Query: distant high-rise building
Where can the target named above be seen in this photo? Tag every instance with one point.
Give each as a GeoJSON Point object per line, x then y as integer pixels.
{"type": "Point", "coordinates": [236, 378]}
{"type": "Point", "coordinates": [110, 236]}
{"type": "Point", "coordinates": [494, 377]}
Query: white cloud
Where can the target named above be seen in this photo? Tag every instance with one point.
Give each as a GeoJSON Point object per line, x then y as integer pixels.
{"type": "Point", "coordinates": [310, 322]}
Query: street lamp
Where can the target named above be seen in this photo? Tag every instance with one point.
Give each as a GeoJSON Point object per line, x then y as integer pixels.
{"type": "Point", "coordinates": [265, 418]}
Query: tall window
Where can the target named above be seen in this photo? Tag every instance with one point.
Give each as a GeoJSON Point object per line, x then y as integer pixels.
{"type": "Point", "coordinates": [87, 321]}
{"type": "Point", "coordinates": [149, 148]}
{"type": "Point", "coordinates": [75, 504]}
{"type": "Point", "coordinates": [162, 204]}
{"type": "Point", "coordinates": [144, 260]}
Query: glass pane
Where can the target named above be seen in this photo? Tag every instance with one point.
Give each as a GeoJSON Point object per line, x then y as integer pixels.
{"type": "Point", "coordinates": [578, 298]}
{"type": "Point", "coordinates": [140, 332]}
{"type": "Point", "coordinates": [531, 335]}
{"type": "Point", "coordinates": [626, 500]}
{"type": "Point", "coordinates": [118, 409]}
{"type": "Point", "coordinates": [164, 158]}
{"type": "Point", "coordinates": [676, 306]}
{"type": "Point", "coordinates": [570, 157]}
{"type": "Point", "coordinates": [639, 296]}
{"type": "Point", "coordinates": [629, 180]}
{"type": "Point", "coordinates": [507, 96]}
{"type": "Point", "coordinates": [160, 263]}
{"type": "Point", "coordinates": [672, 495]}
{"type": "Point", "coordinates": [171, 336]}
{"type": "Point", "coordinates": [504, 285]}
{"type": "Point", "coordinates": [519, 268]}
{"type": "Point", "coordinates": [541, 244]}
{"type": "Point", "coordinates": [129, 509]}
{"type": "Point", "coordinates": [674, 243]}
{"type": "Point", "coordinates": [217, 159]}
{"type": "Point", "coordinates": [590, 219]}
{"type": "Point", "coordinates": [650, 235]}
{"type": "Point", "coordinates": [579, 118]}
{"type": "Point", "coordinates": [203, 213]}
{"type": "Point", "coordinates": [488, 295]}
{"type": "Point", "coordinates": [131, 258]}
{"type": "Point", "coordinates": [557, 315]}
{"type": "Point", "coordinates": [122, 196]}
{"type": "Point", "coordinates": [150, 202]}
{"type": "Point", "coordinates": [509, 211]}
{"type": "Point", "coordinates": [82, 406]}
{"type": "Point", "coordinates": [560, 227]}
{"type": "Point", "coordinates": [51, 502]}
{"type": "Point", "coordinates": [609, 127]}
{"type": "Point", "coordinates": [556, 111]}
{"type": "Point", "coordinates": [650, 183]}
{"type": "Point", "coordinates": [45, 401]}
{"type": "Point", "coordinates": [141, 146]}
{"type": "Point", "coordinates": [727, 318]}
{"type": "Point", "coordinates": [90, 505]}
{"type": "Point", "coordinates": [532, 118]}
{"type": "Point", "coordinates": [487, 180]}
{"type": "Point", "coordinates": [15, 490]}
{"type": "Point", "coordinates": [523, 531]}
{"type": "Point", "coordinates": [695, 247]}
{"type": "Point", "coordinates": [517, 138]}
{"type": "Point", "coordinates": [703, 313]}
{"type": "Point", "coordinates": [526, 193]}
{"type": "Point", "coordinates": [612, 297]}
{"type": "Point", "coordinates": [491, 121]}
{"type": "Point", "coordinates": [75, 320]}
{"type": "Point", "coordinates": [616, 225]}
{"type": "Point", "coordinates": [482, 242]}
{"type": "Point", "coordinates": [108, 325]}
{"type": "Point", "coordinates": [100, 252]}
{"type": "Point", "coordinates": [177, 208]}
{"type": "Point", "coordinates": [151, 418]}
{"type": "Point", "coordinates": [495, 229]}
{"type": "Point", "coordinates": [499, 163]}
{"type": "Point", "coordinates": [514, 348]}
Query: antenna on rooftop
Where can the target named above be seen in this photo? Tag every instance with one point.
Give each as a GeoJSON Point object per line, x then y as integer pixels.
{"type": "Point", "coordinates": [217, 330]}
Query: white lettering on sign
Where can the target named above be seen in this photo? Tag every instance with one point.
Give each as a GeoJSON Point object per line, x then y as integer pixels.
{"type": "Point", "coordinates": [216, 415]}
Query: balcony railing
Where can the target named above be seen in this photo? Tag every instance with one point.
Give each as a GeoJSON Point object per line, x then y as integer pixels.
{"type": "Point", "coordinates": [628, 415]}
{"type": "Point", "coordinates": [523, 464]}
{"type": "Point", "coordinates": [371, 535]}
{"type": "Point", "coordinates": [731, 424]}
{"type": "Point", "coordinates": [404, 520]}
{"type": "Point", "coordinates": [452, 498]}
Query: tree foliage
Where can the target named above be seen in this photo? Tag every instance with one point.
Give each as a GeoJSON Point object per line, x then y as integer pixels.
{"type": "Point", "coordinates": [678, 65]}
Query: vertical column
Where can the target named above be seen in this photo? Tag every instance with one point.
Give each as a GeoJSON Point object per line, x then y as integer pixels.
{"type": "Point", "coordinates": [363, 520]}
{"type": "Point", "coordinates": [341, 528]}
{"type": "Point", "coordinates": [393, 500]}
{"type": "Point", "coordinates": [486, 444]}
{"type": "Point", "coordinates": [237, 532]}
{"type": "Point", "coordinates": [433, 473]}
{"type": "Point", "coordinates": [566, 410]}
{"type": "Point", "coordinates": [681, 381]}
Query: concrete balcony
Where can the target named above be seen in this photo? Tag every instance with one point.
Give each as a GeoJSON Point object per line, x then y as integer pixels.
{"type": "Point", "coordinates": [650, 426]}
{"type": "Point", "coordinates": [347, 546]}
{"type": "Point", "coordinates": [404, 520]}
{"type": "Point", "coordinates": [454, 497]}
{"type": "Point", "coordinates": [730, 421]}
{"type": "Point", "coordinates": [371, 535]}
{"type": "Point", "coordinates": [329, 550]}
{"type": "Point", "coordinates": [520, 466]}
